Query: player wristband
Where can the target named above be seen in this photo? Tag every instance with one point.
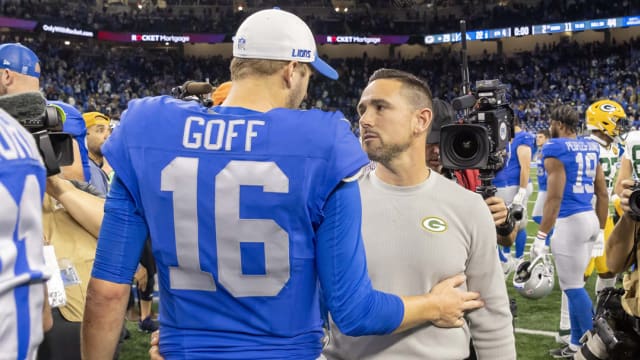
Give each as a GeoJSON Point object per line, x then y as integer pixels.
{"type": "Point", "coordinates": [541, 235]}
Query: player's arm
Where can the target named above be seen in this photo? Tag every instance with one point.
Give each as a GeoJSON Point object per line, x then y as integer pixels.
{"type": "Point", "coordinates": [556, 180]}
{"type": "Point", "coordinates": [524, 158]}
{"type": "Point", "coordinates": [358, 309]}
{"type": "Point", "coordinates": [621, 240]}
{"type": "Point", "coordinates": [602, 196]}
{"type": "Point", "coordinates": [74, 171]}
{"type": "Point", "coordinates": [85, 208]}
{"type": "Point", "coordinates": [121, 240]}
{"type": "Point", "coordinates": [47, 317]}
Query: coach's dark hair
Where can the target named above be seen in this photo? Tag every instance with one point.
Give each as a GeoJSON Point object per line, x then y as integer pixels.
{"type": "Point", "coordinates": [423, 97]}
{"type": "Point", "coordinates": [566, 115]}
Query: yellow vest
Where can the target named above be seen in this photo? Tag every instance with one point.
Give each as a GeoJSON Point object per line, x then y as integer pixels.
{"type": "Point", "coordinates": [70, 240]}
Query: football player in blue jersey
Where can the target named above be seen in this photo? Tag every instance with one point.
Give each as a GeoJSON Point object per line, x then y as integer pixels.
{"type": "Point", "coordinates": [22, 185]}
{"type": "Point", "coordinates": [512, 183]}
{"type": "Point", "coordinates": [251, 207]}
{"type": "Point", "coordinates": [574, 175]}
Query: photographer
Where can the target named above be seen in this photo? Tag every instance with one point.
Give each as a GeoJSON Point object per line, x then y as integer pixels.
{"type": "Point", "coordinates": [616, 328]}
{"type": "Point", "coordinates": [443, 114]}
{"type": "Point", "coordinates": [22, 181]}
{"type": "Point", "coordinates": [622, 248]}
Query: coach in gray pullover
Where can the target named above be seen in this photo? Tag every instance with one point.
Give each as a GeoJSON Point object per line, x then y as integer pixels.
{"type": "Point", "coordinates": [418, 228]}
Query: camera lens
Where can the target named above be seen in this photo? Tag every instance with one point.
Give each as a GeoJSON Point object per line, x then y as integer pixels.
{"type": "Point", "coordinates": [634, 202]}
{"type": "Point", "coordinates": [465, 145]}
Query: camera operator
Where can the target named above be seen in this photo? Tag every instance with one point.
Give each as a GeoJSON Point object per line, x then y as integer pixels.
{"type": "Point", "coordinates": [443, 114]}
{"type": "Point", "coordinates": [23, 300]}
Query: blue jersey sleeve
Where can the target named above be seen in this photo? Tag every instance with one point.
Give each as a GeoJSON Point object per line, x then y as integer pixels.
{"type": "Point", "coordinates": [347, 157]}
{"type": "Point", "coordinates": [122, 237]}
{"type": "Point", "coordinates": [342, 270]}
{"type": "Point", "coordinates": [552, 148]}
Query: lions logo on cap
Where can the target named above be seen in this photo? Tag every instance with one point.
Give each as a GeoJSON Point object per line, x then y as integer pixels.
{"type": "Point", "coordinates": [242, 42]}
{"type": "Point", "coordinates": [434, 224]}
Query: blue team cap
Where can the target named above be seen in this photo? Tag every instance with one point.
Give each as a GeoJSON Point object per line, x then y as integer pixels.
{"type": "Point", "coordinates": [19, 58]}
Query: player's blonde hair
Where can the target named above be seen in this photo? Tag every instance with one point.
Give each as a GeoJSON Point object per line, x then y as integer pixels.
{"type": "Point", "coordinates": [243, 68]}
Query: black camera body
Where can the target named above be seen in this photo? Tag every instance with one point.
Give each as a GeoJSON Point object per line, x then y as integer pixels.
{"type": "Point", "coordinates": [481, 141]}
{"type": "Point", "coordinates": [634, 201]}
{"type": "Point", "coordinates": [44, 122]}
{"type": "Point", "coordinates": [56, 147]}
{"type": "Point", "coordinates": [614, 334]}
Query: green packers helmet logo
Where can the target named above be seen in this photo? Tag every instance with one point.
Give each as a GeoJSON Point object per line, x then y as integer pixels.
{"type": "Point", "coordinates": [434, 224]}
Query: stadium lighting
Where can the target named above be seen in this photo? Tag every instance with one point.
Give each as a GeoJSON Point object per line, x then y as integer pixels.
{"type": "Point", "coordinates": [67, 42]}
{"type": "Point", "coordinates": [166, 43]}
{"type": "Point", "coordinates": [337, 9]}
{"type": "Point", "coordinates": [139, 6]}
{"type": "Point", "coordinates": [345, 9]}
{"type": "Point", "coordinates": [240, 8]}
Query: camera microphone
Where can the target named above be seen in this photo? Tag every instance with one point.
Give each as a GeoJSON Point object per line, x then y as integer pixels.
{"type": "Point", "coordinates": [190, 88]}
{"type": "Point", "coordinates": [463, 102]}
{"type": "Point", "coordinates": [25, 106]}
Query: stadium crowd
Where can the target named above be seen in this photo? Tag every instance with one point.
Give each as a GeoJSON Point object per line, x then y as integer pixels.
{"type": "Point", "coordinates": [371, 17]}
{"type": "Point", "coordinates": [97, 77]}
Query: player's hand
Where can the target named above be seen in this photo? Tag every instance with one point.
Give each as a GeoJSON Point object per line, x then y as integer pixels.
{"type": "Point", "coordinates": [598, 247]}
{"type": "Point", "coordinates": [140, 278]}
{"type": "Point", "coordinates": [624, 195]}
{"type": "Point", "coordinates": [519, 198]}
{"type": "Point", "coordinates": [56, 186]}
{"type": "Point", "coordinates": [154, 350]}
{"type": "Point", "coordinates": [539, 246]}
{"type": "Point", "coordinates": [498, 209]}
{"type": "Point", "coordinates": [453, 302]}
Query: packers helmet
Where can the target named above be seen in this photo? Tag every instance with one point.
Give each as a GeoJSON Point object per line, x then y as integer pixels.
{"type": "Point", "coordinates": [604, 115]}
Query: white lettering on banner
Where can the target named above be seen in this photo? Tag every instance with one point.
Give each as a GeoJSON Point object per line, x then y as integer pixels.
{"type": "Point", "coordinates": [65, 30]}
{"type": "Point", "coordinates": [160, 38]}
{"type": "Point", "coordinates": [216, 134]}
{"type": "Point", "coordinates": [357, 40]}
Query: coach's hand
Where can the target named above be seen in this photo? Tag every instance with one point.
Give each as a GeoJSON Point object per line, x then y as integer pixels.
{"type": "Point", "coordinates": [453, 302]}
{"type": "Point", "coordinates": [498, 209]}
{"type": "Point", "coordinates": [154, 351]}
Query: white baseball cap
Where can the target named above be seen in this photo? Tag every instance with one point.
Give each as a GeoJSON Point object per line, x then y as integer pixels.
{"type": "Point", "coordinates": [276, 34]}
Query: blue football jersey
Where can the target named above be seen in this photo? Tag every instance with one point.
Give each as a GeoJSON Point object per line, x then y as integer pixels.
{"type": "Point", "coordinates": [541, 174]}
{"type": "Point", "coordinates": [231, 198]}
{"type": "Point", "coordinates": [509, 175]}
{"type": "Point", "coordinates": [580, 160]}
{"type": "Point", "coordinates": [22, 183]}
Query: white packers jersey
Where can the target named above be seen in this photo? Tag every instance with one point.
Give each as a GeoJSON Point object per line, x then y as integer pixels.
{"type": "Point", "coordinates": [632, 151]}
{"type": "Point", "coordinates": [610, 162]}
